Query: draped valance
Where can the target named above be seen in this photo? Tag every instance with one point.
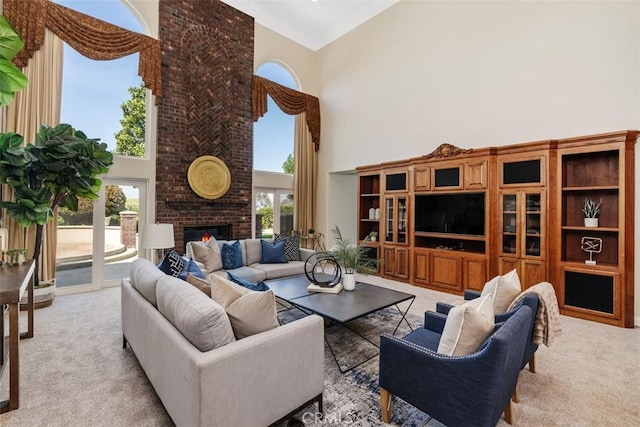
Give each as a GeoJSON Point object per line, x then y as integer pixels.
{"type": "Point", "coordinates": [93, 38]}
{"type": "Point", "coordinates": [290, 101]}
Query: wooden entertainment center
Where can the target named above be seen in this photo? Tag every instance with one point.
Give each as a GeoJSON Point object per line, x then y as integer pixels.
{"type": "Point", "coordinates": [454, 218]}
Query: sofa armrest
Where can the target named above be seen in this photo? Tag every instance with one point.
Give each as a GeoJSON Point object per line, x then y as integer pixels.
{"type": "Point", "coordinates": [306, 253]}
{"type": "Point", "coordinates": [470, 294]}
{"type": "Point", "coordinates": [281, 368]}
{"type": "Point", "coordinates": [443, 307]}
{"type": "Point", "coordinates": [434, 321]}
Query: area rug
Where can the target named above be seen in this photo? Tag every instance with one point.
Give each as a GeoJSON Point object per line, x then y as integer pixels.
{"type": "Point", "coordinates": [353, 398]}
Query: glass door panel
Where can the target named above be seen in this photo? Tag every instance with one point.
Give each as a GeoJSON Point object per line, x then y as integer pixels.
{"type": "Point", "coordinates": [286, 213]}
{"type": "Point", "coordinates": [533, 223]}
{"type": "Point", "coordinates": [402, 220]}
{"type": "Point", "coordinates": [121, 219]}
{"type": "Point", "coordinates": [389, 219]}
{"type": "Point", "coordinates": [264, 214]}
{"type": "Point", "coordinates": [74, 246]}
{"type": "Point", "coordinates": [509, 224]}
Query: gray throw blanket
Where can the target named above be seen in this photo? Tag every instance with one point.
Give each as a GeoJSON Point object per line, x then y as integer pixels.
{"type": "Point", "coordinates": [547, 323]}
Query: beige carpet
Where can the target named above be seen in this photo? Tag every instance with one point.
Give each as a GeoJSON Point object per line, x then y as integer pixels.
{"type": "Point", "coordinates": [74, 372]}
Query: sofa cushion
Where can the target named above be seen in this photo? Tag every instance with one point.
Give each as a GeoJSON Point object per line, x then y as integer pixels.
{"type": "Point", "coordinates": [275, 271]}
{"type": "Point", "coordinates": [467, 327]}
{"type": "Point", "coordinates": [208, 254]}
{"type": "Point", "coordinates": [198, 283]}
{"type": "Point", "coordinates": [144, 276]}
{"type": "Point", "coordinates": [172, 263]}
{"type": "Point", "coordinates": [243, 248]}
{"type": "Point", "coordinates": [192, 268]}
{"type": "Point", "coordinates": [291, 246]}
{"type": "Point", "coordinates": [251, 273]}
{"type": "Point", "coordinates": [504, 290]}
{"type": "Point", "coordinates": [231, 255]}
{"type": "Point", "coordinates": [200, 319]}
{"type": "Point", "coordinates": [272, 253]}
{"type": "Point", "coordinates": [254, 250]}
{"type": "Point", "coordinates": [249, 312]}
{"type": "Point", "coordinates": [260, 286]}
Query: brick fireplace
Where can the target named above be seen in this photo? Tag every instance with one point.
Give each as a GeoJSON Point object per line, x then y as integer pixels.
{"type": "Point", "coordinates": [207, 68]}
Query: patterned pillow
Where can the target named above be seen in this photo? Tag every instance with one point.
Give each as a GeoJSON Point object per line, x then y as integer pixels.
{"type": "Point", "coordinates": [172, 263]}
{"type": "Point", "coordinates": [190, 267]}
{"type": "Point", "coordinates": [231, 255]}
{"type": "Point", "coordinates": [291, 246]}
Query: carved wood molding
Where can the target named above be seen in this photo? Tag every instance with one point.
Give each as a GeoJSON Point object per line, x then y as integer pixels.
{"type": "Point", "coordinates": [446, 151]}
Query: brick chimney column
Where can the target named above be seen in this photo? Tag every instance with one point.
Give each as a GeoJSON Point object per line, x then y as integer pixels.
{"type": "Point", "coordinates": [128, 225]}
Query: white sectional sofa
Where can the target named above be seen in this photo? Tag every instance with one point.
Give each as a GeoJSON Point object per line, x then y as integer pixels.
{"type": "Point", "coordinates": [253, 269]}
{"type": "Point", "coordinates": [254, 381]}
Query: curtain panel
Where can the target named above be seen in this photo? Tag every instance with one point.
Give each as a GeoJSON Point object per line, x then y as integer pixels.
{"type": "Point", "coordinates": [93, 38]}
{"type": "Point", "coordinates": [288, 100]}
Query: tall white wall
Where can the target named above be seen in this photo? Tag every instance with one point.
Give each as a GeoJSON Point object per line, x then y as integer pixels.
{"type": "Point", "coordinates": [475, 74]}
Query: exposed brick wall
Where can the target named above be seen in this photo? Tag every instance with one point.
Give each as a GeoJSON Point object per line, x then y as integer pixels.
{"type": "Point", "coordinates": [207, 66]}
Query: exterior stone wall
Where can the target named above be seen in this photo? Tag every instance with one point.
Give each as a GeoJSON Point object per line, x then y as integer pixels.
{"type": "Point", "coordinates": [207, 68]}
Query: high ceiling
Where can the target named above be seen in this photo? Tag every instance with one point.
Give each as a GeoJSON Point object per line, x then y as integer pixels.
{"type": "Point", "coordinates": [312, 23]}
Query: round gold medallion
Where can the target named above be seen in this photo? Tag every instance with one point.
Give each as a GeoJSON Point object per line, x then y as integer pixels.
{"type": "Point", "coordinates": [209, 177]}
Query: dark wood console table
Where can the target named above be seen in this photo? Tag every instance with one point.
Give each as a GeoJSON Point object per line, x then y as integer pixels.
{"type": "Point", "coordinates": [14, 280]}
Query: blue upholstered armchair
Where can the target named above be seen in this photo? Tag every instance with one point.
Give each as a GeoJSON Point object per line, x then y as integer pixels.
{"type": "Point", "coordinates": [456, 390]}
{"type": "Point", "coordinates": [530, 300]}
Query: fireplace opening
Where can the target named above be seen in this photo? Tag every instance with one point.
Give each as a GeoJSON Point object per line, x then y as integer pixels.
{"type": "Point", "coordinates": [205, 232]}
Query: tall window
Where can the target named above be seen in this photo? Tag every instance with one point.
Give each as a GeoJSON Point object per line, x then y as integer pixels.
{"type": "Point", "coordinates": [273, 161]}
{"type": "Point", "coordinates": [106, 100]}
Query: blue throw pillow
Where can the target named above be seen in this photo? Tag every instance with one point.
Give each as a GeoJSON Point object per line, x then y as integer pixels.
{"type": "Point", "coordinates": [191, 267]}
{"type": "Point", "coordinates": [260, 286]}
{"type": "Point", "coordinates": [172, 263]}
{"type": "Point", "coordinates": [231, 256]}
{"type": "Point", "coordinates": [273, 253]}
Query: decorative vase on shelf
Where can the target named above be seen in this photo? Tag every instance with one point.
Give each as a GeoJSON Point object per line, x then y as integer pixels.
{"type": "Point", "coordinates": [377, 213]}
{"type": "Point", "coordinates": [591, 222]}
{"type": "Point", "coordinates": [349, 281]}
{"type": "Point", "coordinates": [372, 213]}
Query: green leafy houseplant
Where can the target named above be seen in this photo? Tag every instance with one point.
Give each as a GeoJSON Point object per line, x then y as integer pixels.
{"type": "Point", "coordinates": [60, 167]}
{"type": "Point", "coordinates": [591, 209]}
{"type": "Point", "coordinates": [11, 78]}
{"type": "Point", "coordinates": [353, 258]}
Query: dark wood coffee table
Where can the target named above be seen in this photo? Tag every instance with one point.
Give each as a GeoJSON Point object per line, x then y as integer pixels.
{"type": "Point", "coordinates": [343, 307]}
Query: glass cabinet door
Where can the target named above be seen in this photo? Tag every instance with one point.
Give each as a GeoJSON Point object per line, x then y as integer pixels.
{"type": "Point", "coordinates": [389, 220]}
{"type": "Point", "coordinates": [533, 224]}
{"type": "Point", "coordinates": [509, 224]}
{"type": "Point", "coordinates": [402, 220]}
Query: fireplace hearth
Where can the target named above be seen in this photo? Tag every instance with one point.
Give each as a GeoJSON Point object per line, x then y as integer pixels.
{"type": "Point", "coordinates": [204, 232]}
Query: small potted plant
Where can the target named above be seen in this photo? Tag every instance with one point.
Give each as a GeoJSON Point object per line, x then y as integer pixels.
{"type": "Point", "coordinates": [591, 210]}
{"type": "Point", "coordinates": [353, 259]}
{"type": "Point", "coordinates": [311, 232]}
{"type": "Point", "coordinates": [373, 236]}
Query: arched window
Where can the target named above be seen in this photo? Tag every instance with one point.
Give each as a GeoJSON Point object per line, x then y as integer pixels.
{"type": "Point", "coordinates": [93, 92]}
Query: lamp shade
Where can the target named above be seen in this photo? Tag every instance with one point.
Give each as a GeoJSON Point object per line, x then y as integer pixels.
{"type": "Point", "coordinates": [157, 236]}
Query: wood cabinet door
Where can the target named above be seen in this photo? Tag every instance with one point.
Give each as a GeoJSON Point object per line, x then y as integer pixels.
{"type": "Point", "coordinates": [506, 264]}
{"type": "Point", "coordinates": [533, 272]}
{"type": "Point", "coordinates": [446, 271]}
{"type": "Point", "coordinates": [389, 261]}
{"type": "Point", "coordinates": [475, 273]}
{"type": "Point", "coordinates": [475, 174]}
{"type": "Point", "coordinates": [421, 267]}
{"type": "Point", "coordinates": [422, 178]}
{"type": "Point", "coordinates": [402, 263]}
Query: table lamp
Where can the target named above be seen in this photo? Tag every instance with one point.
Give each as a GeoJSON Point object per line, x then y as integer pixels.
{"type": "Point", "coordinates": [157, 236]}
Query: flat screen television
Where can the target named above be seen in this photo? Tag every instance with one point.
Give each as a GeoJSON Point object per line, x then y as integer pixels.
{"type": "Point", "coordinates": [459, 213]}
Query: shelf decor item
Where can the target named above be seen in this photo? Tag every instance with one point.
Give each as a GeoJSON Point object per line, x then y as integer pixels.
{"type": "Point", "coordinates": [374, 236]}
{"type": "Point", "coordinates": [593, 245]}
{"type": "Point", "coordinates": [15, 256]}
{"type": "Point", "coordinates": [591, 210]}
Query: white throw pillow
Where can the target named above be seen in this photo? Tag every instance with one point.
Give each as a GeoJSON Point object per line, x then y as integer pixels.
{"type": "Point", "coordinates": [250, 312]}
{"type": "Point", "coordinates": [504, 290]}
{"type": "Point", "coordinates": [467, 327]}
{"type": "Point", "coordinates": [208, 254]}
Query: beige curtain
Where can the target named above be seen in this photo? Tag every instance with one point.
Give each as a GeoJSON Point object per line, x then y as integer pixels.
{"type": "Point", "coordinates": [305, 176]}
{"type": "Point", "coordinates": [37, 104]}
